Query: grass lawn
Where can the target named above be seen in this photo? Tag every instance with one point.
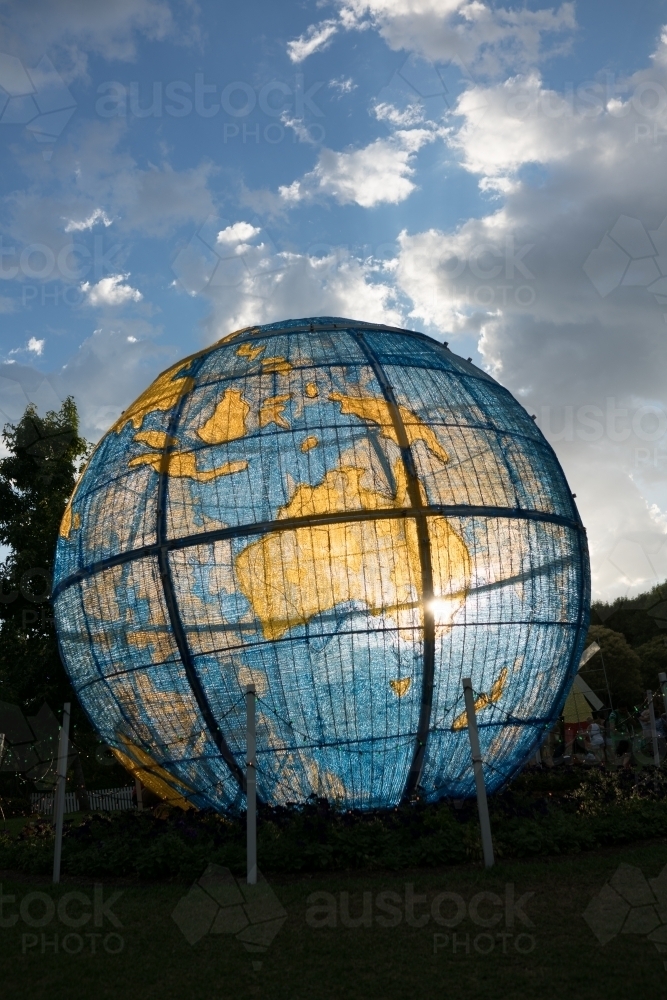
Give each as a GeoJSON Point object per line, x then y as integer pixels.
{"type": "Point", "coordinates": [556, 956]}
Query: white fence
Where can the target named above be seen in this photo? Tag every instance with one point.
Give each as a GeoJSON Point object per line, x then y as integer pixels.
{"type": "Point", "coordinates": [103, 800]}
{"type": "Point", "coordinates": [42, 802]}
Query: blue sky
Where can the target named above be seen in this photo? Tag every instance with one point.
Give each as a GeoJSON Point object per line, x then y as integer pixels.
{"type": "Point", "coordinates": [493, 175]}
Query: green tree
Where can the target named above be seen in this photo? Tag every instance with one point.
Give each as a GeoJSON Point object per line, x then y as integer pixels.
{"type": "Point", "coordinates": [621, 664]}
{"type": "Point", "coordinates": [37, 478]}
{"type": "Point", "coordinates": [640, 618]}
{"type": "Point", "coordinates": [653, 657]}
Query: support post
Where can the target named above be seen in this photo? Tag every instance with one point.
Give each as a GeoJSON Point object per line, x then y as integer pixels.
{"type": "Point", "coordinates": [139, 790]}
{"type": "Point", "coordinates": [59, 798]}
{"type": "Point", "coordinates": [662, 677]}
{"type": "Point", "coordinates": [251, 787]}
{"type": "Point", "coordinates": [654, 731]}
{"type": "Point", "coordinates": [482, 805]}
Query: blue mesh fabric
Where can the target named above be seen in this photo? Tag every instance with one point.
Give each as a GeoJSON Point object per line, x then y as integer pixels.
{"type": "Point", "coordinates": [353, 519]}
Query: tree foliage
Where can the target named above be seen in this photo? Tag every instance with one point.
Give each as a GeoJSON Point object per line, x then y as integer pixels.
{"type": "Point", "coordinates": [640, 618]}
{"type": "Point", "coordinates": [37, 477]}
{"type": "Point", "coordinates": [653, 657]}
{"type": "Point", "coordinates": [621, 664]}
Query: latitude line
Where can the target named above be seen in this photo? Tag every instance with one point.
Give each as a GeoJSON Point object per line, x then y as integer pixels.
{"type": "Point", "coordinates": [314, 521]}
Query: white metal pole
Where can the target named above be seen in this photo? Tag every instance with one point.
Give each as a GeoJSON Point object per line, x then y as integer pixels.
{"type": "Point", "coordinates": [482, 805]}
{"type": "Point", "coordinates": [654, 731]}
{"type": "Point", "coordinates": [251, 786]}
{"type": "Point", "coordinates": [662, 677]}
{"type": "Point", "coordinates": [59, 803]}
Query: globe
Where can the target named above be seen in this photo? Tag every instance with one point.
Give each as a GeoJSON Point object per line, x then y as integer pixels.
{"type": "Point", "coordinates": [352, 519]}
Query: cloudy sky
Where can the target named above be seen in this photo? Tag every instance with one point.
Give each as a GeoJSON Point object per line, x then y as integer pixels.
{"type": "Point", "coordinates": [492, 175]}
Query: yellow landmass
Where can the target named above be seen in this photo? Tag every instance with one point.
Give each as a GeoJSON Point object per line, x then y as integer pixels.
{"type": "Point", "coordinates": [169, 707]}
{"type": "Point", "coordinates": [142, 766]}
{"type": "Point", "coordinates": [161, 640]}
{"type": "Point", "coordinates": [400, 686]}
{"type": "Point", "coordinates": [177, 717]}
{"type": "Point", "coordinates": [155, 439]}
{"type": "Point", "coordinates": [325, 784]}
{"type": "Point", "coordinates": [290, 576]}
{"type": "Point", "coordinates": [69, 522]}
{"type": "Point", "coordinates": [250, 352]}
{"type": "Point", "coordinates": [311, 390]}
{"type": "Point", "coordinates": [228, 422]}
{"type": "Point", "coordinates": [309, 442]}
{"type": "Point", "coordinates": [183, 464]}
{"type": "Point", "coordinates": [483, 700]}
{"type": "Point", "coordinates": [234, 335]}
{"type": "Point", "coordinates": [272, 411]}
{"type": "Point", "coordinates": [162, 394]}
{"type": "Point", "coordinates": [378, 411]}
{"type": "Point", "coordinates": [279, 365]}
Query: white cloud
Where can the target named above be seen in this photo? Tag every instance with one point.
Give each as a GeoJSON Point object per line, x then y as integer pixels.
{"type": "Point", "coordinates": [386, 112]}
{"type": "Point", "coordinates": [378, 173]}
{"type": "Point", "coordinates": [104, 375]}
{"type": "Point", "coordinates": [91, 170]}
{"type": "Point", "coordinates": [36, 346]}
{"type": "Point", "coordinates": [122, 356]}
{"type": "Point", "coordinates": [110, 291]}
{"type": "Point", "coordinates": [77, 28]}
{"type": "Point", "coordinates": [484, 37]}
{"type": "Point", "coordinates": [344, 85]}
{"type": "Point", "coordinates": [316, 38]}
{"type": "Point", "coordinates": [97, 215]}
{"type": "Point", "coordinates": [239, 232]}
{"type": "Point", "coordinates": [301, 130]}
{"type": "Point", "coordinates": [273, 285]}
{"type": "Point", "coordinates": [21, 384]}
{"type": "Point", "coordinates": [564, 286]}
{"type": "Point", "coordinates": [257, 283]}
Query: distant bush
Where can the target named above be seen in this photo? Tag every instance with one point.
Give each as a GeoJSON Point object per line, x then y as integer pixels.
{"type": "Point", "coordinates": [558, 812]}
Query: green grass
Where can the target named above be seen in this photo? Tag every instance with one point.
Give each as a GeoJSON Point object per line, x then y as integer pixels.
{"type": "Point", "coordinates": [332, 963]}
{"type": "Point", "coordinates": [14, 825]}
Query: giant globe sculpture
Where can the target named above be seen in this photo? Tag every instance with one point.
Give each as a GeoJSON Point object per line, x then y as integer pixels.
{"type": "Point", "coordinates": [351, 518]}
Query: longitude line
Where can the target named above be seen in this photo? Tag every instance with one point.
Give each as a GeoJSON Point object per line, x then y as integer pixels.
{"type": "Point", "coordinates": [172, 605]}
{"type": "Point", "coordinates": [424, 543]}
